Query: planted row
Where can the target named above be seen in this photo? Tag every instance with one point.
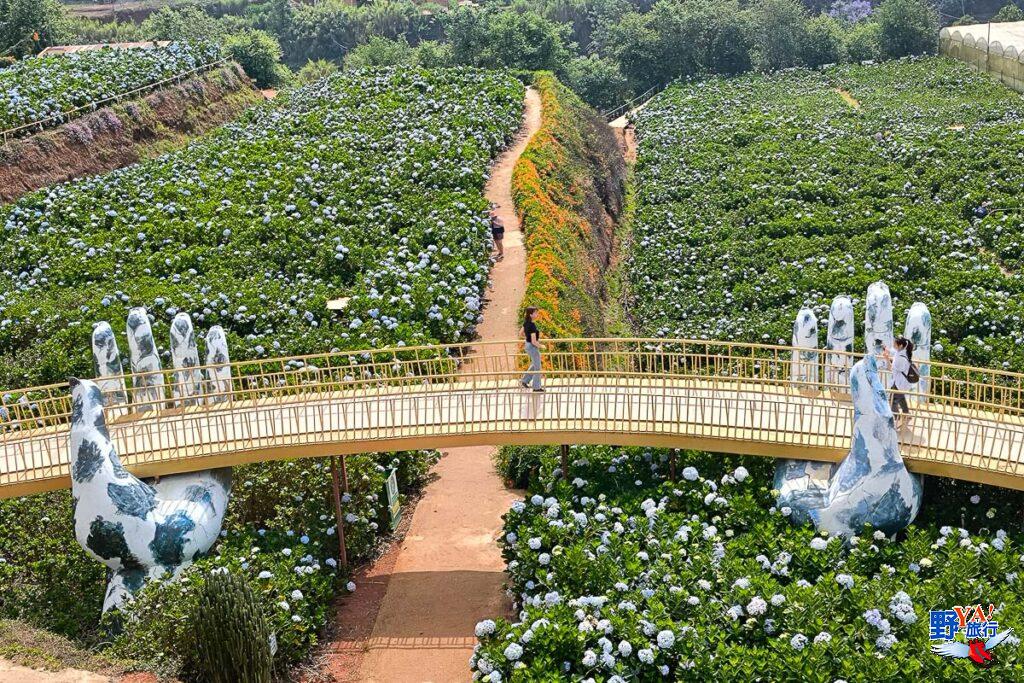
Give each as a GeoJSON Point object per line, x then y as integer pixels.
{"type": "Point", "coordinates": [568, 188]}
{"type": "Point", "coordinates": [41, 88]}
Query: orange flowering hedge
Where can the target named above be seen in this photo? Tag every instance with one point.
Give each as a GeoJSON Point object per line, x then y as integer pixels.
{"type": "Point", "coordinates": [568, 187]}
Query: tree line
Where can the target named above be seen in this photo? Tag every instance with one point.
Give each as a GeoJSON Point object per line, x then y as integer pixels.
{"type": "Point", "coordinates": [606, 50]}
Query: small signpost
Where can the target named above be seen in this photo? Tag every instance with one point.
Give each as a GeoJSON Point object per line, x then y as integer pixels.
{"type": "Point", "coordinates": [394, 503]}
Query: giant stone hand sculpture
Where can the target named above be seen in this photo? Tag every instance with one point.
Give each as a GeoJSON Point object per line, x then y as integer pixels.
{"type": "Point", "coordinates": [804, 364]}
{"type": "Point", "coordinates": [871, 485]}
{"type": "Point", "coordinates": [919, 331]}
{"type": "Point", "coordinates": [137, 530]}
{"type": "Point", "coordinates": [878, 328]}
{"type": "Point", "coordinates": [839, 338]}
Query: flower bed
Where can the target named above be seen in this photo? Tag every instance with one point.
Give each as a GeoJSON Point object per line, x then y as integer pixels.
{"type": "Point", "coordinates": [567, 187]}
{"type": "Point", "coordinates": [38, 88]}
{"type": "Point", "coordinates": [366, 186]}
{"type": "Point", "coordinates": [623, 575]}
{"type": "Point", "coordinates": [761, 194]}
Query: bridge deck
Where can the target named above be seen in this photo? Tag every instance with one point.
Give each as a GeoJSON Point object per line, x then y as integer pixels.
{"type": "Point", "coordinates": [711, 414]}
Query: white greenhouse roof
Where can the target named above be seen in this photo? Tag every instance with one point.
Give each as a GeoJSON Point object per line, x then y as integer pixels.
{"type": "Point", "coordinates": [1007, 34]}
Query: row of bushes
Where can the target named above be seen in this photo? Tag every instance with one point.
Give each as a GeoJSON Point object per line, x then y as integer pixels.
{"type": "Point", "coordinates": [622, 572]}
{"type": "Point", "coordinates": [568, 187]}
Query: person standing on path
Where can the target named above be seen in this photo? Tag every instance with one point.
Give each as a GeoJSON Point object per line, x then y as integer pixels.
{"type": "Point", "coordinates": [533, 349]}
{"type": "Point", "coordinates": [497, 232]}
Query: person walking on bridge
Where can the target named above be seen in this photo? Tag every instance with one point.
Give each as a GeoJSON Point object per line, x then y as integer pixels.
{"type": "Point", "coordinates": [533, 349]}
{"type": "Point", "coordinates": [904, 378]}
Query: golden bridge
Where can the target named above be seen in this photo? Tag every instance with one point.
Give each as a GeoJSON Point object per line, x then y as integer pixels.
{"type": "Point", "coordinates": [707, 395]}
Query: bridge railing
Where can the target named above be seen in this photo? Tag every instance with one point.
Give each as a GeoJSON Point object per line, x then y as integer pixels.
{"type": "Point", "coordinates": [719, 366]}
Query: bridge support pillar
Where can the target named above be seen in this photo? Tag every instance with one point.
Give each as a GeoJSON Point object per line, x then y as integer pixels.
{"type": "Point", "coordinates": [339, 518]}
{"type": "Point", "coordinates": [565, 461]}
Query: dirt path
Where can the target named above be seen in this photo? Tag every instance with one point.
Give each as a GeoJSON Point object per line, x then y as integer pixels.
{"type": "Point", "coordinates": [626, 133]}
{"type": "Point", "coordinates": [448, 573]}
{"type": "Point", "coordinates": [848, 98]}
{"type": "Point", "coordinates": [12, 673]}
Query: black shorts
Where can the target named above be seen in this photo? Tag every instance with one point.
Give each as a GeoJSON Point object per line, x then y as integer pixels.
{"type": "Point", "coordinates": [498, 234]}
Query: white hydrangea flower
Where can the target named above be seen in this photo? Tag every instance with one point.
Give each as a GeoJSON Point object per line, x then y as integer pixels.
{"type": "Point", "coordinates": [666, 639]}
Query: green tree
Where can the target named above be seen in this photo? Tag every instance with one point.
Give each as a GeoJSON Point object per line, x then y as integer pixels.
{"type": "Point", "coordinates": [824, 41]}
{"type": "Point", "coordinates": [682, 38]}
{"type": "Point", "coordinates": [598, 81]}
{"type": "Point", "coordinates": [965, 20]}
{"type": "Point", "coordinates": [506, 38]}
{"type": "Point", "coordinates": [863, 42]}
{"type": "Point", "coordinates": [779, 33]}
{"type": "Point", "coordinates": [1009, 12]}
{"type": "Point", "coordinates": [401, 19]}
{"type": "Point", "coordinates": [432, 54]}
{"type": "Point", "coordinates": [380, 51]}
{"type": "Point", "coordinates": [188, 23]}
{"type": "Point", "coordinates": [907, 27]}
{"type": "Point", "coordinates": [326, 30]}
{"type": "Point", "coordinates": [314, 71]}
{"type": "Point", "coordinates": [85, 30]}
{"type": "Point", "coordinates": [27, 26]}
{"type": "Point", "coordinates": [259, 54]}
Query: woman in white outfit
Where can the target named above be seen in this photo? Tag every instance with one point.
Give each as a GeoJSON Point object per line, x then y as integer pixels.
{"type": "Point", "coordinates": [899, 360]}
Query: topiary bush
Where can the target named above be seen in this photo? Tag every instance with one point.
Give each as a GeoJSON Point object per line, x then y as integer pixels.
{"type": "Point", "coordinates": [232, 636]}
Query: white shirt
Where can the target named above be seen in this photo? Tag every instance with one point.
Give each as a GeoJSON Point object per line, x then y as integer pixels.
{"type": "Point", "coordinates": [900, 369]}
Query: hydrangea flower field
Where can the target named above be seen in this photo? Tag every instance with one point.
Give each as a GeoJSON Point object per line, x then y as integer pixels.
{"type": "Point", "coordinates": [622, 575]}
{"type": "Point", "coordinates": [367, 186]}
{"type": "Point", "coordinates": [758, 195]}
{"type": "Point", "coordinates": [42, 87]}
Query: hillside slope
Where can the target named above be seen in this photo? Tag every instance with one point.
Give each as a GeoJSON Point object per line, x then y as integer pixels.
{"type": "Point", "coordinates": [568, 187]}
{"type": "Point", "coordinates": [123, 134]}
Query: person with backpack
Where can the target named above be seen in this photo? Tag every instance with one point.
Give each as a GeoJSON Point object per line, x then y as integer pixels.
{"type": "Point", "coordinates": [905, 377]}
